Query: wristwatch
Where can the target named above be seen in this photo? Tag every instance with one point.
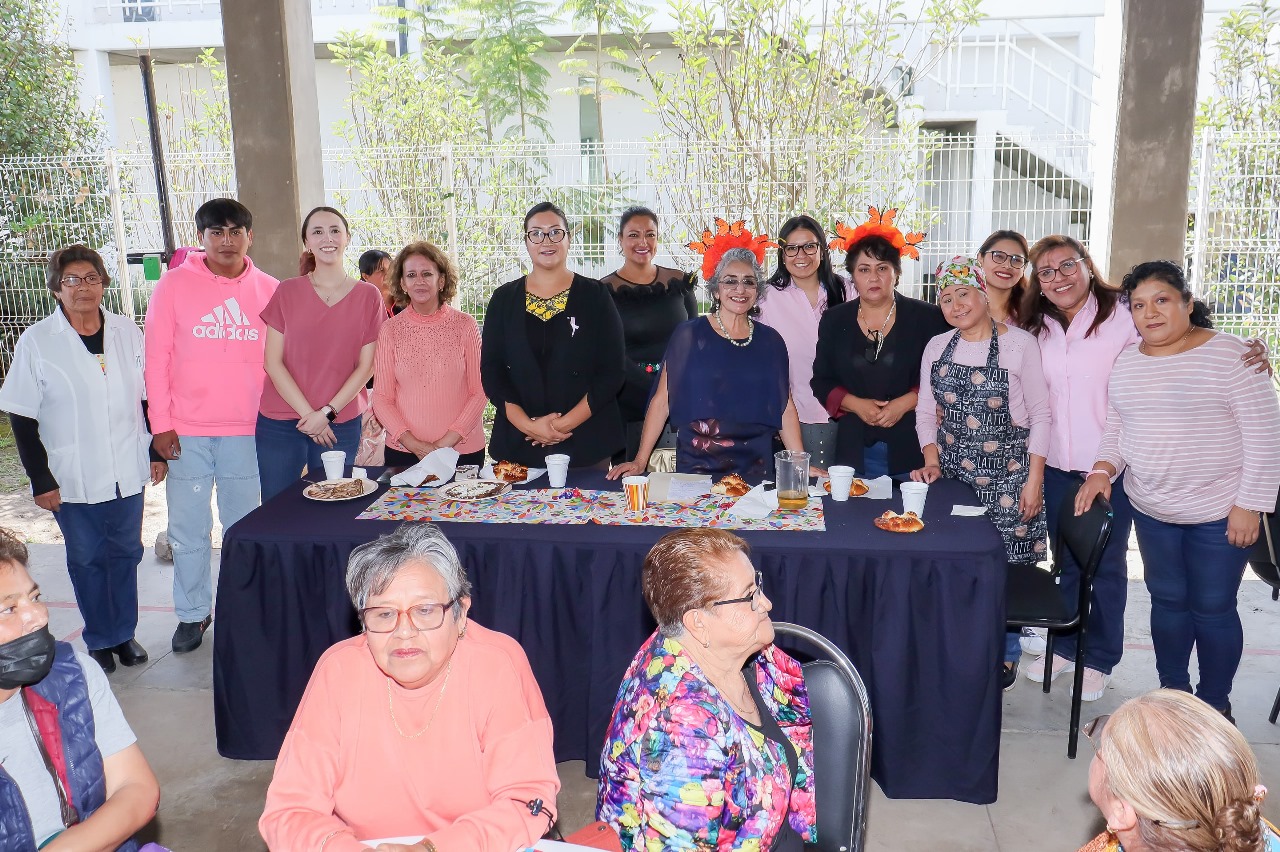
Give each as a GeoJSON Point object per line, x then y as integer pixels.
{"type": "Point", "coordinates": [330, 413]}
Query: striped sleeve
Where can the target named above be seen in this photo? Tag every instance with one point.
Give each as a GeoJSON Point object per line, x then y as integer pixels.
{"type": "Point", "coordinates": [1256, 408]}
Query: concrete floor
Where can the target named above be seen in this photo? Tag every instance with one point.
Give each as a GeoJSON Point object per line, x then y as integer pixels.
{"type": "Point", "coordinates": [210, 803]}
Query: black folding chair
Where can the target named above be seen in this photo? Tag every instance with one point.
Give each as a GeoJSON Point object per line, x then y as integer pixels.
{"type": "Point", "coordinates": [1262, 559]}
{"type": "Point", "coordinates": [1033, 598]}
{"type": "Point", "coordinates": [841, 714]}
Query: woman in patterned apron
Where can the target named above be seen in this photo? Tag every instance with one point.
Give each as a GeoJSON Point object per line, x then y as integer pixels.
{"type": "Point", "coordinates": [986, 380]}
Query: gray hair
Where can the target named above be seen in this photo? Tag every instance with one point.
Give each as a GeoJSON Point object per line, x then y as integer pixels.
{"type": "Point", "coordinates": [375, 564]}
{"type": "Point", "coordinates": [737, 255]}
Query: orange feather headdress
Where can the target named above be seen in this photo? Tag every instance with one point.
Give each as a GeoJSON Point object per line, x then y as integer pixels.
{"type": "Point", "coordinates": [878, 225]}
{"type": "Point", "coordinates": [713, 246]}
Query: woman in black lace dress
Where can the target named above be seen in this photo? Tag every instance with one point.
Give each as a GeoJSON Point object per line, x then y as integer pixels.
{"type": "Point", "coordinates": [652, 300]}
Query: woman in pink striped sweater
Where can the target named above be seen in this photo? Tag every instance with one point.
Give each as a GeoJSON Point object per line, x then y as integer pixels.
{"type": "Point", "coordinates": [1194, 429]}
{"type": "Point", "coordinates": [426, 376]}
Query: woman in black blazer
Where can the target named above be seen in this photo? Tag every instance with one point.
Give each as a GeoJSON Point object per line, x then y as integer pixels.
{"type": "Point", "coordinates": [552, 357]}
{"type": "Point", "coordinates": [867, 367]}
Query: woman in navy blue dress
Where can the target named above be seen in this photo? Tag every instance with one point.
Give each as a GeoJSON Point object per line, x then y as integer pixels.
{"type": "Point", "coordinates": [724, 383]}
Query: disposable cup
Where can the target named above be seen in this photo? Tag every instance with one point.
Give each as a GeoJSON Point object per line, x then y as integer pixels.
{"type": "Point", "coordinates": [557, 469]}
{"type": "Point", "coordinates": [637, 491]}
{"type": "Point", "coordinates": [913, 494]}
{"type": "Point", "coordinates": [841, 481]}
{"type": "Point", "coordinates": [335, 462]}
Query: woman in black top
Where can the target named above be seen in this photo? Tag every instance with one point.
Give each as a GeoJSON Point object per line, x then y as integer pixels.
{"type": "Point", "coordinates": [551, 356]}
{"type": "Point", "coordinates": [867, 367]}
{"type": "Point", "coordinates": [652, 301]}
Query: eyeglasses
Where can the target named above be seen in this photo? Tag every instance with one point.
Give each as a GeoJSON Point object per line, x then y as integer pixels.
{"type": "Point", "coordinates": [1015, 261]}
{"type": "Point", "coordinates": [537, 235]}
{"type": "Point", "coordinates": [93, 279]}
{"type": "Point", "coordinates": [874, 347]}
{"type": "Point", "coordinates": [808, 248]}
{"type": "Point", "coordinates": [1067, 267]}
{"type": "Point", "coordinates": [753, 598]}
{"type": "Point", "coordinates": [738, 284]}
{"type": "Point", "coordinates": [385, 619]}
{"type": "Point", "coordinates": [1093, 730]}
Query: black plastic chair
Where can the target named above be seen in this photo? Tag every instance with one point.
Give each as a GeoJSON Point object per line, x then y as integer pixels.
{"type": "Point", "coordinates": [841, 714]}
{"type": "Point", "coordinates": [1263, 561]}
{"type": "Point", "coordinates": [1033, 599]}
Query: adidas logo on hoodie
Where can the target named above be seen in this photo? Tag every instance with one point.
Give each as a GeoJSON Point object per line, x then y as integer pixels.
{"type": "Point", "coordinates": [226, 322]}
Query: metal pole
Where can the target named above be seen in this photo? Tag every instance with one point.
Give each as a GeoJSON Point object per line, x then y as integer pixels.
{"type": "Point", "coordinates": [451, 203]}
{"type": "Point", "coordinates": [404, 31]}
{"type": "Point", "coordinates": [1204, 182]}
{"type": "Point", "coordinates": [117, 225]}
{"type": "Point", "coordinates": [810, 174]}
{"type": "Point", "coordinates": [157, 155]}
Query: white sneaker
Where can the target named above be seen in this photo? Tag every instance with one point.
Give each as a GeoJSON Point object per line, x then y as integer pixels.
{"type": "Point", "coordinates": [1094, 684]}
{"type": "Point", "coordinates": [1061, 665]}
{"type": "Point", "coordinates": [1032, 642]}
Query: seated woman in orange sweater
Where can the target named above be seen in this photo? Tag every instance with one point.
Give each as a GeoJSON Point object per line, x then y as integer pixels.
{"type": "Point", "coordinates": [388, 743]}
{"type": "Point", "coordinates": [426, 385]}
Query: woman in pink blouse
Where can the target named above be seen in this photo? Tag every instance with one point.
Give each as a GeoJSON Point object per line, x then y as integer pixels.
{"type": "Point", "coordinates": [426, 386]}
{"type": "Point", "coordinates": [803, 286]}
{"type": "Point", "coordinates": [986, 380]}
{"type": "Point", "coordinates": [426, 725]}
{"type": "Point", "coordinates": [1194, 428]}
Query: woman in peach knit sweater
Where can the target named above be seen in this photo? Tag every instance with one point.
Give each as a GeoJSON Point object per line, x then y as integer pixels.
{"type": "Point", "coordinates": [426, 386]}
{"type": "Point", "coordinates": [425, 728]}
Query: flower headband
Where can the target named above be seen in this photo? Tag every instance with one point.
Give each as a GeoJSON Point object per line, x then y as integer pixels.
{"type": "Point", "coordinates": [960, 271]}
{"type": "Point", "coordinates": [713, 246]}
{"type": "Point", "coordinates": [878, 225]}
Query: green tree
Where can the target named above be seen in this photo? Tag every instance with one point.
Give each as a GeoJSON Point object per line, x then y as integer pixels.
{"type": "Point", "coordinates": [506, 44]}
{"type": "Point", "coordinates": [609, 68]}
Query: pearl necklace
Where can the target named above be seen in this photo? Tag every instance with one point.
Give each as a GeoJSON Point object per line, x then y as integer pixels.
{"type": "Point", "coordinates": [751, 331]}
{"type": "Point", "coordinates": [448, 671]}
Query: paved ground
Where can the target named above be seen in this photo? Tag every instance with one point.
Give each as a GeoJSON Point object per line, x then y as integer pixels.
{"type": "Point", "coordinates": [210, 803]}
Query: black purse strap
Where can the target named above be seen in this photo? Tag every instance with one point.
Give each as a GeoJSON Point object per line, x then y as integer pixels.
{"type": "Point", "coordinates": [69, 815]}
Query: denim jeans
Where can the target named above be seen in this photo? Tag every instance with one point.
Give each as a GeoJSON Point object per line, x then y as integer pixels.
{"type": "Point", "coordinates": [229, 464]}
{"type": "Point", "coordinates": [283, 452]}
{"type": "Point", "coordinates": [875, 460]}
{"type": "Point", "coordinates": [104, 547]}
{"type": "Point", "coordinates": [1193, 575]}
{"type": "Point", "coordinates": [1110, 583]}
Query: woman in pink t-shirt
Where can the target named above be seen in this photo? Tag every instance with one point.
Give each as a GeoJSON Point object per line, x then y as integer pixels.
{"type": "Point", "coordinates": [322, 330]}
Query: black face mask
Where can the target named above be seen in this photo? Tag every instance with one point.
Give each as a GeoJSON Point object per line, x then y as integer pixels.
{"type": "Point", "coordinates": [26, 660]}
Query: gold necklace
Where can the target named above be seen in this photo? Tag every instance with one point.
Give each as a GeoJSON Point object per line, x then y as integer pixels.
{"type": "Point", "coordinates": [448, 671]}
{"type": "Point", "coordinates": [1142, 347]}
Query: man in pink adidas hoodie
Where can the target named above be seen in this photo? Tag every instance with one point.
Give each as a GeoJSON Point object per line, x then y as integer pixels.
{"type": "Point", "coordinates": [204, 375]}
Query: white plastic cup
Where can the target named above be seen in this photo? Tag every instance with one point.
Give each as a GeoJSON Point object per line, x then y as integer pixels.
{"type": "Point", "coordinates": [637, 492]}
{"type": "Point", "coordinates": [841, 481]}
{"type": "Point", "coordinates": [557, 469]}
{"type": "Point", "coordinates": [913, 494]}
{"type": "Point", "coordinates": [335, 463]}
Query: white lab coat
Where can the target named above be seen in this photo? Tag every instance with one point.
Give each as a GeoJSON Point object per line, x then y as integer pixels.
{"type": "Point", "coordinates": [91, 424]}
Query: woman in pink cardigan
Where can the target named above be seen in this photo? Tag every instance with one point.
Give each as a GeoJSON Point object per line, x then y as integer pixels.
{"type": "Point", "coordinates": [425, 726]}
{"type": "Point", "coordinates": [426, 385]}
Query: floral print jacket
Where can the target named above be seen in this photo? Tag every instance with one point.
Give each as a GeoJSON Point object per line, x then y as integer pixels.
{"type": "Point", "coordinates": [682, 770]}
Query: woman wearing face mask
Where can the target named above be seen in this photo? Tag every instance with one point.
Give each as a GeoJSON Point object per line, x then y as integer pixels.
{"type": "Point", "coordinates": [652, 300]}
{"type": "Point", "coordinates": [802, 288]}
{"type": "Point", "coordinates": [1194, 429]}
{"type": "Point", "coordinates": [73, 776]}
{"type": "Point", "coordinates": [987, 380]}
{"type": "Point", "coordinates": [1004, 262]}
{"type": "Point", "coordinates": [322, 330]}
{"type": "Point", "coordinates": [551, 357]}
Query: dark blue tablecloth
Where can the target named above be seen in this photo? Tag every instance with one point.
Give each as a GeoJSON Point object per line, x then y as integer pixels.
{"type": "Point", "coordinates": [922, 617]}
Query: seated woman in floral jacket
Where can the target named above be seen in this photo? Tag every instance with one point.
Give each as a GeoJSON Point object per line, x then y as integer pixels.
{"type": "Point", "coordinates": [709, 746]}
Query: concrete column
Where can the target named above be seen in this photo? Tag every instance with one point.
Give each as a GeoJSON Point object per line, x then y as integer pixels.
{"type": "Point", "coordinates": [275, 119]}
{"type": "Point", "coordinates": [1155, 128]}
{"type": "Point", "coordinates": [95, 88]}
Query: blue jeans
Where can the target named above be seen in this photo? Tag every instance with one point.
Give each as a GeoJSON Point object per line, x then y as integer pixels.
{"type": "Point", "coordinates": [875, 460]}
{"type": "Point", "coordinates": [230, 464]}
{"type": "Point", "coordinates": [1193, 575]}
{"type": "Point", "coordinates": [1110, 583]}
{"type": "Point", "coordinates": [104, 547]}
{"type": "Point", "coordinates": [283, 452]}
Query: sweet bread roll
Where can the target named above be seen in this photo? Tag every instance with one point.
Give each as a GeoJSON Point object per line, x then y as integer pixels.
{"type": "Point", "coordinates": [505, 471]}
{"type": "Point", "coordinates": [856, 488]}
{"type": "Point", "coordinates": [731, 486]}
{"type": "Point", "coordinates": [906, 523]}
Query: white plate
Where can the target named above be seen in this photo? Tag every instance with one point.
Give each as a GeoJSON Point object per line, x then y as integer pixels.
{"type": "Point", "coordinates": [471, 490]}
{"type": "Point", "coordinates": [309, 492]}
{"type": "Point", "coordinates": [486, 472]}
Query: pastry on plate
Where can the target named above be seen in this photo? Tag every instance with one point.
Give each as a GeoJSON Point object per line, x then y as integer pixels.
{"type": "Point", "coordinates": [856, 488]}
{"type": "Point", "coordinates": [731, 486]}
{"type": "Point", "coordinates": [506, 471]}
{"type": "Point", "coordinates": [905, 523]}
{"type": "Point", "coordinates": [431, 477]}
